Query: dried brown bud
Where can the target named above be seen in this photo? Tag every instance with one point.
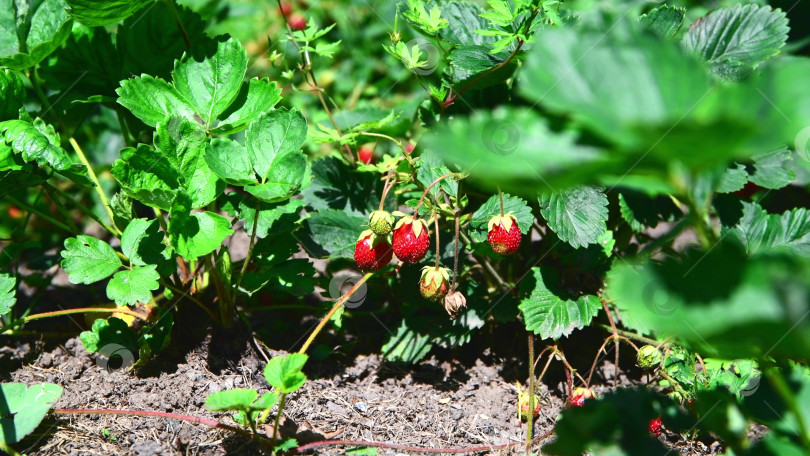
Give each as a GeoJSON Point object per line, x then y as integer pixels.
{"type": "Point", "coordinates": [454, 302]}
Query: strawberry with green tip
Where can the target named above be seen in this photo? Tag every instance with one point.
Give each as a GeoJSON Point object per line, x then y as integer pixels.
{"type": "Point", "coordinates": [579, 395]}
{"type": "Point", "coordinates": [372, 252]}
{"type": "Point", "coordinates": [411, 239]}
{"type": "Point", "coordinates": [381, 222]}
{"type": "Point", "coordinates": [435, 283]}
{"type": "Point", "coordinates": [523, 406]}
{"type": "Point", "coordinates": [503, 234]}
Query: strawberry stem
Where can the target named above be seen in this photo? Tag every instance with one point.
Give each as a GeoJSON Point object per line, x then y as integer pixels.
{"type": "Point", "coordinates": [455, 256]}
{"type": "Point", "coordinates": [422, 198]}
{"type": "Point", "coordinates": [438, 249]}
{"type": "Point", "coordinates": [530, 422]}
{"type": "Point", "coordinates": [500, 197]}
{"type": "Point", "coordinates": [386, 188]}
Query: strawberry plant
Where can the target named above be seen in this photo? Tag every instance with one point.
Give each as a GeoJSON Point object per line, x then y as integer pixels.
{"type": "Point", "coordinates": [621, 186]}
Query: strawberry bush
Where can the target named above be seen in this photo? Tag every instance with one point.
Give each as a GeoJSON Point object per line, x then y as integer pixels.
{"type": "Point", "coordinates": [638, 170]}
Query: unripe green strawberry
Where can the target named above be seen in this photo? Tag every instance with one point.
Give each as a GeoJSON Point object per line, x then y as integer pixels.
{"type": "Point", "coordinates": [381, 222]}
{"type": "Point", "coordinates": [411, 239]}
{"type": "Point", "coordinates": [372, 252]}
{"type": "Point", "coordinates": [503, 234]}
{"type": "Point", "coordinates": [649, 357]}
{"type": "Point", "coordinates": [435, 283]}
{"type": "Point", "coordinates": [523, 406]}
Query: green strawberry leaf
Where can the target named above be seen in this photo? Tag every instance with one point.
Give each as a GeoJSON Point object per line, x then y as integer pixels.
{"type": "Point", "coordinates": [87, 64]}
{"type": "Point", "coordinates": [152, 100]}
{"type": "Point", "coordinates": [210, 76]}
{"type": "Point", "coordinates": [103, 12]}
{"type": "Point", "coordinates": [551, 312]}
{"type": "Point", "coordinates": [285, 178]}
{"type": "Point", "coordinates": [12, 93]}
{"type": "Point", "coordinates": [229, 161]}
{"type": "Point", "coordinates": [142, 243]}
{"type": "Point", "coordinates": [147, 176]}
{"type": "Point", "coordinates": [735, 40]}
{"type": "Point", "coordinates": [231, 400]}
{"type": "Point", "coordinates": [432, 167]}
{"type": "Point", "coordinates": [733, 179]}
{"type": "Point", "coordinates": [8, 292]}
{"type": "Point", "coordinates": [131, 286]}
{"type": "Point", "coordinates": [36, 142]}
{"type": "Point", "coordinates": [772, 170]}
{"type": "Point", "coordinates": [197, 234]}
{"type": "Point", "coordinates": [149, 42]}
{"type": "Point", "coordinates": [24, 408]}
{"type": "Point", "coordinates": [665, 20]}
{"type": "Point", "coordinates": [578, 215]}
{"type": "Point", "coordinates": [407, 345]}
{"type": "Point", "coordinates": [642, 211]}
{"type": "Point", "coordinates": [273, 135]}
{"type": "Point", "coordinates": [255, 97]}
{"type": "Point", "coordinates": [110, 337]}
{"type": "Point", "coordinates": [331, 234]}
{"type": "Point", "coordinates": [336, 185]}
{"type": "Point", "coordinates": [274, 218]}
{"type": "Point", "coordinates": [88, 260]}
{"type": "Point", "coordinates": [757, 231]}
{"type": "Point", "coordinates": [479, 224]}
{"type": "Point", "coordinates": [31, 31]}
{"type": "Point", "coordinates": [184, 144]}
{"type": "Point", "coordinates": [284, 372]}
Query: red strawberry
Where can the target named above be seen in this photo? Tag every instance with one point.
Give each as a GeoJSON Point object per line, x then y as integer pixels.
{"type": "Point", "coordinates": [366, 155]}
{"type": "Point", "coordinates": [655, 426]}
{"type": "Point", "coordinates": [411, 239]}
{"type": "Point", "coordinates": [579, 395]}
{"type": "Point", "coordinates": [409, 148]}
{"type": "Point", "coordinates": [372, 252]}
{"type": "Point", "coordinates": [435, 283]}
{"type": "Point", "coordinates": [504, 234]}
{"type": "Point", "coordinates": [286, 8]}
{"type": "Point", "coordinates": [297, 22]}
{"type": "Point", "coordinates": [14, 212]}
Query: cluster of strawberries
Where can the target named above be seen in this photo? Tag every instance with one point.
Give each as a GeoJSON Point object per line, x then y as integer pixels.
{"type": "Point", "coordinates": [411, 240]}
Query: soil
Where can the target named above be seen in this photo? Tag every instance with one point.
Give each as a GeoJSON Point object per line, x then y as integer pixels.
{"type": "Point", "coordinates": [443, 402]}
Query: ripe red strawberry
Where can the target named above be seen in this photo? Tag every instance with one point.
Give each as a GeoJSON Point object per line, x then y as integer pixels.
{"type": "Point", "coordinates": [579, 395]}
{"type": "Point", "coordinates": [504, 234]}
{"type": "Point", "coordinates": [14, 212]}
{"type": "Point", "coordinates": [411, 239]}
{"type": "Point", "coordinates": [435, 283]}
{"type": "Point", "coordinates": [366, 155]}
{"type": "Point", "coordinates": [372, 252]}
{"type": "Point", "coordinates": [297, 22]}
{"type": "Point", "coordinates": [655, 426]}
{"type": "Point", "coordinates": [409, 148]}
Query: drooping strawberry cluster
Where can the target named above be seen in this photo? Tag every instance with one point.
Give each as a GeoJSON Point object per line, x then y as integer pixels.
{"type": "Point", "coordinates": [503, 234]}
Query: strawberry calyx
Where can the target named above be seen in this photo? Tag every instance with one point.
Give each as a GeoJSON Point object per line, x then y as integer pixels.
{"type": "Point", "coordinates": [434, 283]}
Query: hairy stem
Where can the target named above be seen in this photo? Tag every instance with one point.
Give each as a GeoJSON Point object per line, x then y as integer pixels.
{"type": "Point", "coordinates": [249, 254]}
{"type": "Point", "coordinates": [281, 403]}
{"type": "Point", "coordinates": [332, 311]}
{"type": "Point", "coordinates": [422, 198]}
{"type": "Point", "coordinates": [530, 423]}
{"type": "Point", "coordinates": [99, 190]}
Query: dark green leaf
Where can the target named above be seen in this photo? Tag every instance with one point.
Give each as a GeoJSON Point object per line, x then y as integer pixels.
{"type": "Point", "coordinates": [8, 291]}
{"type": "Point", "coordinates": [758, 231]}
{"type": "Point", "coordinates": [407, 345]}
{"type": "Point", "coordinates": [142, 242]}
{"type": "Point", "coordinates": [229, 160]}
{"type": "Point", "coordinates": [337, 186]}
{"type": "Point", "coordinates": [152, 100]}
{"type": "Point", "coordinates": [771, 169]}
{"type": "Point", "coordinates": [551, 312]}
{"type": "Point", "coordinates": [255, 97]}
{"type": "Point", "coordinates": [103, 12]}
{"type": "Point", "coordinates": [88, 64]}
{"type": "Point", "coordinates": [273, 135]}
{"type": "Point", "coordinates": [12, 93]}
{"type": "Point", "coordinates": [147, 176]}
{"type": "Point", "coordinates": [733, 179]}
{"type": "Point", "coordinates": [331, 234]}
{"type": "Point", "coordinates": [30, 31]}
{"type": "Point", "coordinates": [642, 211]}
{"type": "Point", "coordinates": [665, 20]}
{"type": "Point", "coordinates": [110, 337]}
{"type": "Point", "coordinates": [737, 39]}
{"type": "Point", "coordinates": [577, 214]}
{"type": "Point", "coordinates": [431, 169]}
{"type": "Point", "coordinates": [286, 177]}
{"type": "Point", "coordinates": [463, 19]}
{"type": "Point", "coordinates": [274, 218]}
